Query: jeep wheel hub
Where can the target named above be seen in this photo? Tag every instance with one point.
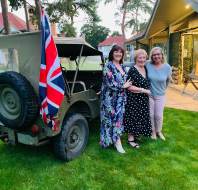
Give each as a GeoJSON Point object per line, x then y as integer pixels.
{"type": "Point", "coordinates": [10, 105]}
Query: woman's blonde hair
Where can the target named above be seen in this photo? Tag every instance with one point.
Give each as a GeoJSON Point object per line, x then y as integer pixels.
{"type": "Point", "coordinates": [138, 52]}
{"type": "Point", "coordinates": [154, 49]}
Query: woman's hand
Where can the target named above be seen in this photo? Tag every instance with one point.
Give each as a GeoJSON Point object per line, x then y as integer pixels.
{"type": "Point", "coordinates": [127, 84]}
{"type": "Point", "coordinates": [135, 89]}
{"type": "Point", "coordinates": [148, 92]}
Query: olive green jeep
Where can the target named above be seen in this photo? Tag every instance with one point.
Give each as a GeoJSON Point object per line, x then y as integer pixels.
{"type": "Point", "coordinates": [20, 121]}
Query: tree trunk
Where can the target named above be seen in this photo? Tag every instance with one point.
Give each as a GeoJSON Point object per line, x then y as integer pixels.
{"type": "Point", "coordinates": [136, 20]}
{"type": "Point", "coordinates": [4, 7]}
{"type": "Point", "coordinates": [123, 18]}
{"type": "Point", "coordinates": [38, 13]}
{"type": "Point", "coordinates": [26, 15]}
{"type": "Point", "coordinates": [123, 24]}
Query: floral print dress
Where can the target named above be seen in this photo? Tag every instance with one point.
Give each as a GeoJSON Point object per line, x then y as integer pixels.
{"type": "Point", "coordinates": [113, 99]}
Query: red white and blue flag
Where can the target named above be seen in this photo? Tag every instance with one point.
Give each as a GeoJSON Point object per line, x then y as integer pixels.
{"type": "Point", "coordinates": [51, 83]}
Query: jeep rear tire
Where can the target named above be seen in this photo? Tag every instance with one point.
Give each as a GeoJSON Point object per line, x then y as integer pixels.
{"type": "Point", "coordinates": [73, 138]}
{"type": "Point", "coordinates": [18, 101]}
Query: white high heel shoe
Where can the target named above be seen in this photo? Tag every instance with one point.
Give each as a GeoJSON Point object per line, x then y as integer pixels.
{"type": "Point", "coordinates": [119, 147]}
{"type": "Point", "coordinates": [153, 136]}
{"type": "Point", "coordinates": [161, 136]}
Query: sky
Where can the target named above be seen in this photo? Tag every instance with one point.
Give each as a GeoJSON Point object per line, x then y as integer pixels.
{"type": "Point", "coordinates": [106, 13]}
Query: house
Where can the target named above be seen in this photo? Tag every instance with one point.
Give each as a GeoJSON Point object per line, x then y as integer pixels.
{"type": "Point", "coordinates": [133, 42]}
{"type": "Point", "coordinates": [106, 45]}
{"type": "Point", "coordinates": [174, 27]}
{"type": "Point", "coordinates": [16, 23]}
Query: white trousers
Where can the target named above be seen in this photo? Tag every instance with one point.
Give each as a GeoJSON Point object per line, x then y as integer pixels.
{"type": "Point", "coordinates": [157, 104]}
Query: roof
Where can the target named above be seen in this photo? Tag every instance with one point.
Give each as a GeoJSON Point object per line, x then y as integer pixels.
{"type": "Point", "coordinates": [165, 13]}
{"type": "Point", "coordinates": [118, 40]}
{"type": "Point", "coordinates": [71, 47]}
{"type": "Point", "coordinates": [71, 40]}
{"type": "Point", "coordinates": [137, 36]}
{"type": "Point", "coordinates": [14, 21]}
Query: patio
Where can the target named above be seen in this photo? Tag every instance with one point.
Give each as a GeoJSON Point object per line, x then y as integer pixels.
{"type": "Point", "coordinates": [185, 101]}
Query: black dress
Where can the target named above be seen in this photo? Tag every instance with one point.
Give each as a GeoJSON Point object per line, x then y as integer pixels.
{"type": "Point", "coordinates": [137, 118]}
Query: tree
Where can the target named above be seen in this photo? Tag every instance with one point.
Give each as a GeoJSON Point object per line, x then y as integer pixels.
{"type": "Point", "coordinates": [16, 4]}
{"type": "Point", "coordinates": [136, 21]}
{"type": "Point", "coordinates": [94, 33]}
{"type": "Point", "coordinates": [67, 30]}
{"type": "Point", "coordinates": [38, 12]}
{"type": "Point", "coordinates": [123, 10]}
{"type": "Point", "coordinates": [4, 7]}
{"type": "Point", "coordinates": [63, 11]}
{"type": "Point", "coordinates": [115, 33]}
{"type": "Point", "coordinates": [131, 13]}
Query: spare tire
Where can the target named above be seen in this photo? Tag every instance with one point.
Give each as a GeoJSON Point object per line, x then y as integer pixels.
{"type": "Point", "coordinates": [18, 101]}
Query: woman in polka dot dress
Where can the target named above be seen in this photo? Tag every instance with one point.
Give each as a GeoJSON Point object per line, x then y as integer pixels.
{"type": "Point", "coordinates": [137, 117]}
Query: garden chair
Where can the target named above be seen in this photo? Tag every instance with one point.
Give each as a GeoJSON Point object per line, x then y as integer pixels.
{"type": "Point", "coordinates": [193, 79]}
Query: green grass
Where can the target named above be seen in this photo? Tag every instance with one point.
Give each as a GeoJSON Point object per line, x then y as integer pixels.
{"type": "Point", "coordinates": [158, 165]}
{"type": "Point", "coordinates": [90, 63]}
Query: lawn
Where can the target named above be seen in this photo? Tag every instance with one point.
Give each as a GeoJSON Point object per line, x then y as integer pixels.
{"type": "Point", "coordinates": [157, 165]}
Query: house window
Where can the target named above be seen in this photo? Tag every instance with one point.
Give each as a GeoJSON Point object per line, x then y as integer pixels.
{"type": "Point", "coordinates": [8, 60]}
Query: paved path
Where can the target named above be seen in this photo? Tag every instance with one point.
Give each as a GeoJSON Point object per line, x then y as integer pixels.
{"type": "Point", "coordinates": [175, 99]}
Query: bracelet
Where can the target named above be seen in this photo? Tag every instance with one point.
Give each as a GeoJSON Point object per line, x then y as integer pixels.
{"type": "Point", "coordinates": [142, 90]}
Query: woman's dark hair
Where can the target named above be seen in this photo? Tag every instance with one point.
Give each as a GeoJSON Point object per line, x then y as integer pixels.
{"type": "Point", "coordinates": [116, 48]}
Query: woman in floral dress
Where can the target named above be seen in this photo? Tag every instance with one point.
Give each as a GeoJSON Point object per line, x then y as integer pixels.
{"type": "Point", "coordinates": [113, 100]}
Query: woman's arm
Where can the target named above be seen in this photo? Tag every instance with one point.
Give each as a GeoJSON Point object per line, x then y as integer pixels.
{"type": "Point", "coordinates": [169, 79]}
{"type": "Point", "coordinates": [136, 89]}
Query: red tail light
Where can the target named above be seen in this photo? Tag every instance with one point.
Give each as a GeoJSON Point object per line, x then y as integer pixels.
{"type": "Point", "coordinates": [35, 129]}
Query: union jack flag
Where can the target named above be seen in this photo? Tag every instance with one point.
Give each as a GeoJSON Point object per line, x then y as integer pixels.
{"type": "Point", "coordinates": [51, 83]}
